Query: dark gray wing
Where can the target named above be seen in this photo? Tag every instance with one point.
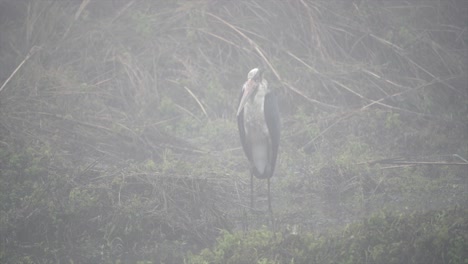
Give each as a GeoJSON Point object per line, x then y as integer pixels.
{"type": "Point", "coordinates": [240, 126]}
{"type": "Point", "coordinates": [273, 123]}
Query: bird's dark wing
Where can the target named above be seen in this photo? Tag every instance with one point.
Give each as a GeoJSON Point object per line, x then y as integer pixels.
{"type": "Point", "coordinates": [273, 123]}
{"type": "Point", "coordinates": [240, 126]}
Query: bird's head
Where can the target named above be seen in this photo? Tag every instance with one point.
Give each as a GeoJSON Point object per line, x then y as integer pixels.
{"type": "Point", "coordinates": [254, 78]}
{"type": "Point", "coordinates": [255, 74]}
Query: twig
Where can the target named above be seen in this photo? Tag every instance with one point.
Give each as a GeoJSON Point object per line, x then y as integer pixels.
{"type": "Point", "coordinates": [386, 42]}
{"type": "Point", "coordinates": [294, 89]}
{"type": "Point", "coordinates": [267, 61]}
{"type": "Point", "coordinates": [412, 163]}
{"type": "Point", "coordinates": [198, 101]}
{"type": "Point", "coordinates": [81, 8]}
{"type": "Point", "coordinates": [427, 163]}
{"type": "Point", "coordinates": [251, 42]}
{"type": "Point", "coordinates": [458, 156]}
{"type": "Point", "coordinates": [30, 53]}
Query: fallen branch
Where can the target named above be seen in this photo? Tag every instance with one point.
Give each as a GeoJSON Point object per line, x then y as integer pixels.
{"type": "Point", "coordinates": [413, 163]}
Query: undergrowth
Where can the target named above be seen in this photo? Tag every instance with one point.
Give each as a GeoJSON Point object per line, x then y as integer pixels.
{"type": "Point", "coordinates": [119, 143]}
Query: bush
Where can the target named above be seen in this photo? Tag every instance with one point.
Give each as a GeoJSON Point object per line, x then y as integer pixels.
{"type": "Point", "coordinates": [431, 237]}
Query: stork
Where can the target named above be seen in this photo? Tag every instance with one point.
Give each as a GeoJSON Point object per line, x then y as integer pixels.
{"type": "Point", "coordinates": [259, 128]}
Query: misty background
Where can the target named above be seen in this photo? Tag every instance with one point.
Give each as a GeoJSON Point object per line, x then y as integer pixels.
{"type": "Point", "coordinates": [119, 142]}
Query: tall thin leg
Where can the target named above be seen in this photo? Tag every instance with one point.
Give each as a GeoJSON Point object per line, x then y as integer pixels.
{"type": "Point", "coordinates": [269, 198]}
{"type": "Point", "coordinates": [273, 226]}
{"type": "Point", "coordinates": [251, 190]}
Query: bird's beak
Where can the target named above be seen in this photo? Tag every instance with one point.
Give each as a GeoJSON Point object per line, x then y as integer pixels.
{"type": "Point", "coordinates": [248, 89]}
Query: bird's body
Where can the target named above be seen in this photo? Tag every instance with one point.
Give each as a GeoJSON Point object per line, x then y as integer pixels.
{"type": "Point", "coordinates": [256, 131]}
{"type": "Point", "coordinates": [259, 130]}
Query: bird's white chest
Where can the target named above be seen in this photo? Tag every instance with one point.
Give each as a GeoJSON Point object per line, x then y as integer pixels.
{"type": "Point", "coordinates": [256, 130]}
{"type": "Point", "coordinates": [254, 115]}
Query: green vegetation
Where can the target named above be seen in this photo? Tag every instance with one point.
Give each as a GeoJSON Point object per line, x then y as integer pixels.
{"type": "Point", "coordinates": [432, 237]}
{"type": "Point", "coordinates": [119, 144]}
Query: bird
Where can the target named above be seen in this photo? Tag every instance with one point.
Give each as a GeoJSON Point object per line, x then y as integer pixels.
{"type": "Point", "coordinates": [258, 122]}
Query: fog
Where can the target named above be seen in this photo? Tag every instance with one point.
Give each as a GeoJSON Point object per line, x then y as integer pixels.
{"type": "Point", "coordinates": [119, 140]}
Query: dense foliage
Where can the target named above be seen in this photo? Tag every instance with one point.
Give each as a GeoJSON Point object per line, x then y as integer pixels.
{"type": "Point", "coordinates": [431, 237]}
{"type": "Point", "coordinates": [118, 139]}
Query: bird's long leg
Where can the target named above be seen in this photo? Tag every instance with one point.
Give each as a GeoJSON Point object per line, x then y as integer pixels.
{"type": "Point", "coordinates": [273, 226]}
{"type": "Point", "coordinates": [269, 198]}
{"type": "Point", "coordinates": [251, 190]}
